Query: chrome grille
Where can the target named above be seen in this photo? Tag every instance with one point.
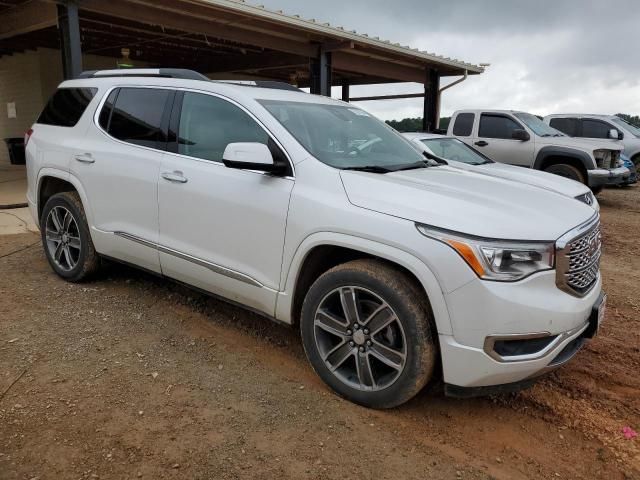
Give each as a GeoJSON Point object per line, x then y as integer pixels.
{"type": "Point", "coordinates": [578, 261]}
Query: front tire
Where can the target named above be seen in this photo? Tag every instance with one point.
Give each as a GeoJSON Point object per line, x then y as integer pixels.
{"type": "Point", "coordinates": [367, 331]}
{"type": "Point", "coordinates": [66, 239]}
{"type": "Point", "coordinates": [567, 171]}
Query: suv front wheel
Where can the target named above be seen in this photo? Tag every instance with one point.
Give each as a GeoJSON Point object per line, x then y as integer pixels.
{"type": "Point", "coordinates": [366, 329]}
{"type": "Point", "coordinates": [66, 239]}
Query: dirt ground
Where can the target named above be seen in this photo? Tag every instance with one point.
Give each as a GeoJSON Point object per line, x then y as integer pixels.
{"type": "Point", "coordinates": [130, 376]}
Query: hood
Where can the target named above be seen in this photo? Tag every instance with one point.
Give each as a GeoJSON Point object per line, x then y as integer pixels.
{"type": "Point", "coordinates": [467, 202]}
{"type": "Point", "coordinates": [589, 144]}
{"type": "Point", "coordinates": [536, 178]}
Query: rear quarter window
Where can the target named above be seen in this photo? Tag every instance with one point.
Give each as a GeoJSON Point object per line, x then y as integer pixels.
{"type": "Point", "coordinates": [463, 124]}
{"type": "Point", "coordinates": [66, 106]}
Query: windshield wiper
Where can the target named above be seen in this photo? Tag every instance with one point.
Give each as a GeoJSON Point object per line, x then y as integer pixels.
{"type": "Point", "coordinates": [411, 166]}
{"type": "Point", "coordinates": [370, 169]}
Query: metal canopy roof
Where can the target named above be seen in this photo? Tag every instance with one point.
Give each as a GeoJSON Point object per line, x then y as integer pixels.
{"type": "Point", "coordinates": [223, 38]}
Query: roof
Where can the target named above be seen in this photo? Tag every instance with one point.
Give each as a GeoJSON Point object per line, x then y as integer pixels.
{"type": "Point", "coordinates": [422, 135]}
{"type": "Point", "coordinates": [587, 115]}
{"type": "Point", "coordinates": [340, 32]}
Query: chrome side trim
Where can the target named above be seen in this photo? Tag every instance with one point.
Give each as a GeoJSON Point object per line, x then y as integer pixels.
{"type": "Point", "coordinates": [227, 272]}
{"type": "Point", "coordinates": [490, 341]}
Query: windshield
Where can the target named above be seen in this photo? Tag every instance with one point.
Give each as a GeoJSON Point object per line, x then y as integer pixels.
{"type": "Point", "coordinates": [627, 126]}
{"type": "Point", "coordinates": [454, 149]}
{"type": "Point", "coordinates": [345, 137]}
{"type": "Point", "coordinates": [538, 126]}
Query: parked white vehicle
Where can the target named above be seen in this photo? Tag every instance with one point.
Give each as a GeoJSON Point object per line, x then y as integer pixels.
{"type": "Point", "coordinates": [460, 155]}
{"type": "Point", "coordinates": [611, 127]}
{"type": "Point", "coordinates": [312, 212]}
{"type": "Point", "coordinates": [522, 139]}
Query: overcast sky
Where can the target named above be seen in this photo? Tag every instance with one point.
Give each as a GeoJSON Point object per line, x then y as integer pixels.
{"type": "Point", "coordinates": [547, 56]}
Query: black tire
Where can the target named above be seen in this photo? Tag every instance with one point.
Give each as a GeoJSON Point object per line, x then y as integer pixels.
{"type": "Point", "coordinates": [597, 190]}
{"type": "Point", "coordinates": [85, 259]}
{"type": "Point", "coordinates": [414, 319]}
{"type": "Point", "coordinates": [567, 171]}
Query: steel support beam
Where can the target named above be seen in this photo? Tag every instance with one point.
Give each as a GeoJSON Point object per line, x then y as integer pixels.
{"type": "Point", "coordinates": [70, 47]}
{"type": "Point", "coordinates": [430, 105]}
{"type": "Point", "coordinates": [345, 91]}
{"type": "Point", "coordinates": [388, 97]}
{"type": "Point", "coordinates": [321, 73]}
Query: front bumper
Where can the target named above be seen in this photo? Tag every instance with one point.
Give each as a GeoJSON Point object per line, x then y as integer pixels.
{"type": "Point", "coordinates": [481, 310]}
{"type": "Point", "coordinates": [601, 177]}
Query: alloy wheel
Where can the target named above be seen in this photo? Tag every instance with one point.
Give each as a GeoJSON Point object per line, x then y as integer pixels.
{"type": "Point", "coordinates": [360, 338]}
{"type": "Point", "coordinates": [63, 238]}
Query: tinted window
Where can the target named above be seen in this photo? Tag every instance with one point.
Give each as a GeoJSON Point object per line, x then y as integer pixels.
{"type": "Point", "coordinates": [595, 129]}
{"type": "Point", "coordinates": [464, 124]}
{"type": "Point", "coordinates": [66, 106]}
{"type": "Point", "coordinates": [568, 126]}
{"type": "Point", "coordinates": [208, 124]}
{"type": "Point", "coordinates": [107, 108]}
{"type": "Point", "coordinates": [137, 116]}
{"type": "Point", "coordinates": [497, 126]}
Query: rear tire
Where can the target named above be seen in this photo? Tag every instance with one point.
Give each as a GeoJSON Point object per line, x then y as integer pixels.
{"type": "Point", "coordinates": [66, 239]}
{"type": "Point", "coordinates": [567, 171]}
{"type": "Point", "coordinates": [367, 331]}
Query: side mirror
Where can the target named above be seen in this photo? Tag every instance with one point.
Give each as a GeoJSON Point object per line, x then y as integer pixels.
{"type": "Point", "coordinates": [615, 134]}
{"type": "Point", "coordinates": [249, 156]}
{"type": "Point", "coordinates": [521, 135]}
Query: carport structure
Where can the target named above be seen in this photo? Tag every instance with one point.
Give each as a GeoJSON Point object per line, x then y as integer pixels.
{"type": "Point", "coordinates": [223, 39]}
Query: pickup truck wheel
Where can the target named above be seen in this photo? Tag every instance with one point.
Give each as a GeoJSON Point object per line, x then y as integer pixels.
{"type": "Point", "coordinates": [366, 329]}
{"type": "Point", "coordinates": [566, 170]}
{"type": "Point", "coordinates": [66, 239]}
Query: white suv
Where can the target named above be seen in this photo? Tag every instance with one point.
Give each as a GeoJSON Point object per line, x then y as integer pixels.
{"type": "Point", "coordinates": [312, 212]}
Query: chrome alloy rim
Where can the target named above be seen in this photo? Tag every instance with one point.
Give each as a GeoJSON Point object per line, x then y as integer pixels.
{"type": "Point", "coordinates": [63, 238]}
{"type": "Point", "coordinates": [360, 338]}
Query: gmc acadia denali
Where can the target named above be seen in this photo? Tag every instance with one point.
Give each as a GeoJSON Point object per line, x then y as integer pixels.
{"type": "Point", "coordinates": [314, 213]}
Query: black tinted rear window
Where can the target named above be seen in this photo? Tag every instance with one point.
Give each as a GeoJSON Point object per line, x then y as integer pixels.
{"type": "Point", "coordinates": [66, 106]}
{"type": "Point", "coordinates": [463, 125]}
{"type": "Point", "coordinates": [136, 116]}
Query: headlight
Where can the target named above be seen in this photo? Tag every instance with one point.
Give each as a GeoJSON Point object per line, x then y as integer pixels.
{"type": "Point", "coordinates": [603, 158]}
{"type": "Point", "coordinates": [498, 260]}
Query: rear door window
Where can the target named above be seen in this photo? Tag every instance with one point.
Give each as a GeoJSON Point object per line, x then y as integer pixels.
{"type": "Point", "coordinates": [595, 128]}
{"type": "Point", "coordinates": [135, 115]}
{"type": "Point", "coordinates": [568, 126]}
{"type": "Point", "coordinates": [66, 106]}
{"type": "Point", "coordinates": [497, 126]}
{"type": "Point", "coordinates": [463, 125]}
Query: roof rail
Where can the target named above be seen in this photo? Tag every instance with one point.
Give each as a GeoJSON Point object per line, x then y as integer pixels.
{"type": "Point", "coordinates": [274, 84]}
{"type": "Point", "coordinates": [145, 72]}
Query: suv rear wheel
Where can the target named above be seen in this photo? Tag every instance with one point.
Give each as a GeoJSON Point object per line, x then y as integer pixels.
{"type": "Point", "coordinates": [566, 170]}
{"type": "Point", "coordinates": [66, 239]}
{"type": "Point", "coordinates": [366, 329]}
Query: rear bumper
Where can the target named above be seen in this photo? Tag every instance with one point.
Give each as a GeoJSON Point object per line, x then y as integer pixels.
{"type": "Point", "coordinates": [601, 177]}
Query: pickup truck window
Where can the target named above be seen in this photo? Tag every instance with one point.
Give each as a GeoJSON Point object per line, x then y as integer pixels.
{"type": "Point", "coordinates": [568, 126]}
{"type": "Point", "coordinates": [464, 124]}
{"type": "Point", "coordinates": [592, 128]}
{"type": "Point", "coordinates": [538, 126]}
{"type": "Point", "coordinates": [497, 126]}
{"type": "Point", "coordinates": [626, 126]}
{"type": "Point", "coordinates": [344, 137]}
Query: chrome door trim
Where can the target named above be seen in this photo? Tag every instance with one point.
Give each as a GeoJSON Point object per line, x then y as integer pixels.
{"type": "Point", "coordinates": [227, 272]}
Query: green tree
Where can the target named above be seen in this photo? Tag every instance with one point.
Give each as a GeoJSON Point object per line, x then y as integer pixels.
{"type": "Point", "coordinates": [632, 119]}
{"type": "Point", "coordinates": [415, 124]}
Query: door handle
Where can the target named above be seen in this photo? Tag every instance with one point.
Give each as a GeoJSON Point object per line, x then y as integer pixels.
{"type": "Point", "coordinates": [175, 177]}
{"type": "Point", "coordinates": [481, 143]}
{"type": "Point", "coordinates": [85, 158]}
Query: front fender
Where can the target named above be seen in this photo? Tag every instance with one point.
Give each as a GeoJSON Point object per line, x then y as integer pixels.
{"type": "Point", "coordinates": [284, 303]}
{"type": "Point", "coordinates": [568, 152]}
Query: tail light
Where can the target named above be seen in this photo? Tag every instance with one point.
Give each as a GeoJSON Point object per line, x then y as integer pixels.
{"type": "Point", "coordinates": [27, 136]}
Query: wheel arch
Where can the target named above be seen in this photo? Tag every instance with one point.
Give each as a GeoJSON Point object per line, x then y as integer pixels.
{"type": "Point", "coordinates": [552, 155]}
{"type": "Point", "coordinates": [52, 181]}
{"type": "Point", "coordinates": [321, 252]}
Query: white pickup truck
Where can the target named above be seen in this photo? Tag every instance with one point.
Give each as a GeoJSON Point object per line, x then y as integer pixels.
{"type": "Point", "coordinates": [522, 139]}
